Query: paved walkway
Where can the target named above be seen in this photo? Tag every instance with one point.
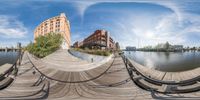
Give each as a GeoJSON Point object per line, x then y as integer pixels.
{"type": "Point", "coordinates": [63, 60]}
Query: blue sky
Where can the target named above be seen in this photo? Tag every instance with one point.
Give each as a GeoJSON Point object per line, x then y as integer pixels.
{"type": "Point", "coordinates": [130, 22]}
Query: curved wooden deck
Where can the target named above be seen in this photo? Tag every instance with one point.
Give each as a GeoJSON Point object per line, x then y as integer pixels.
{"type": "Point", "coordinates": [114, 84]}
{"type": "Point", "coordinates": [54, 72]}
{"type": "Point", "coordinates": [154, 80]}
{"type": "Point", "coordinates": [167, 76]}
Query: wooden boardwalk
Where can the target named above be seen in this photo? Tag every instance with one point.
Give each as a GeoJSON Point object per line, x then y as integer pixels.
{"type": "Point", "coordinates": [166, 76]}
{"type": "Point", "coordinates": [114, 84]}
{"type": "Point", "coordinates": [163, 82]}
{"type": "Point", "coordinates": [4, 68]}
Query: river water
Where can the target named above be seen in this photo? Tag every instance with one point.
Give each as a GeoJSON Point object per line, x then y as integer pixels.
{"type": "Point", "coordinates": [8, 57]}
{"type": "Point", "coordinates": [166, 61]}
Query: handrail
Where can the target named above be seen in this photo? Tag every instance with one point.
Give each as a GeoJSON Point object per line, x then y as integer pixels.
{"type": "Point", "coordinates": [112, 85]}
{"type": "Point", "coordinates": [158, 82]}
{"type": "Point", "coordinates": [14, 66]}
{"type": "Point", "coordinates": [12, 70]}
{"type": "Point", "coordinates": [47, 84]}
{"type": "Point", "coordinates": [161, 81]}
{"type": "Point", "coordinates": [71, 81]}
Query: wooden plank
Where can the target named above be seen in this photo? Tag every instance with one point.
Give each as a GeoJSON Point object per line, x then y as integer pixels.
{"type": "Point", "coordinates": [4, 68]}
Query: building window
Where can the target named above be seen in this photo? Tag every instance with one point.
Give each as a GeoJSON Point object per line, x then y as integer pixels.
{"type": "Point", "coordinates": [57, 30]}
{"type": "Point", "coordinates": [57, 22]}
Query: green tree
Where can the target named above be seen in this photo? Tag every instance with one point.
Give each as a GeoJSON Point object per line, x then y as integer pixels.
{"type": "Point", "coordinates": [45, 45]}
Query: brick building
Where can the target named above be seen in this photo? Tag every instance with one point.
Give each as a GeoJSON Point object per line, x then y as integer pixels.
{"type": "Point", "coordinates": [100, 39]}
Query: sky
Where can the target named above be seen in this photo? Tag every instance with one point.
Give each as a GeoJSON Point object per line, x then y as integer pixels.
{"type": "Point", "coordinates": [130, 22]}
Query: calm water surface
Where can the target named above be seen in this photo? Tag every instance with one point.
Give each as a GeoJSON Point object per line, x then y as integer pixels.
{"type": "Point", "coordinates": [8, 57]}
{"type": "Point", "coordinates": [166, 61]}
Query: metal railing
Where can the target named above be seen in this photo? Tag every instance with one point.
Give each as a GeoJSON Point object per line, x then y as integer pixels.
{"type": "Point", "coordinates": [131, 69]}
{"type": "Point", "coordinates": [14, 66]}
{"type": "Point", "coordinates": [184, 82]}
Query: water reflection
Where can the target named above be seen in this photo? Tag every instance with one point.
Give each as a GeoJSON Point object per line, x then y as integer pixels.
{"type": "Point", "coordinates": [8, 57]}
{"type": "Point", "coordinates": [167, 61]}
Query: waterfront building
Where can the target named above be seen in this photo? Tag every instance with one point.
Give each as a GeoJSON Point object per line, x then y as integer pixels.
{"type": "Point", "coordinates": [19, 45]}
{"type": "Point", "coordinates": [178, 47]}
{"type": "Point", "coordinates": [117, 46]}
{"type": "Point", "coordinates": [130, 48]}
{"type": "Point", "coordinates": [100, 39]}
{"type": "Point", "coordinates": [78, 44]}
{"type": "Point", "coordinates": [58, 24]}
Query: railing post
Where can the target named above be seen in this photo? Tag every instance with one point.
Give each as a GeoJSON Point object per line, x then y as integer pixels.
{"type": "Point", "coordinates": [126, 61]}
{"type": "Point", "coordinates": [15, 69]}
{"type": "Point", "coordinates": [20, 57]}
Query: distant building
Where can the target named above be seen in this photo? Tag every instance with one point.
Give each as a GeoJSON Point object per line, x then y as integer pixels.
{"type": "Point", "coordinates": [78, 44]}
{"type": "Point", "coordinates": [19, 45]}
{"type": "Point", "coordinates": [100, 39]}
{"type": "Point", "coordinates": [117, 46]}
{"type": "Point", "coordinates": [75, 45]}
{"type": "Point", "coordinates": [178, 47]}
{"type": "Point", "coordinates": [58, 24]}
{"type": "Point", "coordinates": [130, 48]}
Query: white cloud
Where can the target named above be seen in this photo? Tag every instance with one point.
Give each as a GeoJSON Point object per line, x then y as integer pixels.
{"type": "Point", "coordinates": [192, 22]}
{"type": "Point", "coordinates": [133, 31]}
{"type": "Point", "coordinates": [10, 27]}
{"type": "Point", "coordinates": [146, 31]}
{"type": "Point", "coordinates": [170, 27]}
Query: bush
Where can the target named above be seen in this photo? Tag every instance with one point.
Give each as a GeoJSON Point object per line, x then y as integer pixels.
{"type": "Point", "coordinates": [106, 53]}
{"type": "Point", "coordinates": [94, 52]}
{"type": "Point", "coordinates": [45, 45]}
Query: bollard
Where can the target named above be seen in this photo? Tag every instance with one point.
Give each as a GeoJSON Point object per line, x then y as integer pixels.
{"type": "Point", "coordinates": [34, 72]}
{"type": "Point", "coordinates": [92, 60]}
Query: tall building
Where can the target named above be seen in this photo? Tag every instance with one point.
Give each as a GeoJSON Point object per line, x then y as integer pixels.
{"type": "Point", "coordinates": [58, 24]}
{"type": "Point", "coordinates": [100, 39]}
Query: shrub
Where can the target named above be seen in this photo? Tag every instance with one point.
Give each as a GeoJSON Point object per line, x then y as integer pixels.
{"type": "Point", "coordinates": [45, 45]}
{"type": "Point", "coordinates": [94, 52]}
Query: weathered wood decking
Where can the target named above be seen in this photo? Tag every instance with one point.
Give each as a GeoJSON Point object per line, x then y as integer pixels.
{"type": "Point", "coordinates": [4, 68]}
{"type": "Point", "coordinates": [162, 82]}
{"type": "Point", "coordinates": [113, 84]}
{"type": "Point", "coordinates": [167, 76]}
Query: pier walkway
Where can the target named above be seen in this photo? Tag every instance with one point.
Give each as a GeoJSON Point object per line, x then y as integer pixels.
{"type": "Point", "coordinates": [163, 82]}
{"type": "Point", "coordinates": [167, 76]}
{"type": "Point", "coordinates": [110, 81]}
